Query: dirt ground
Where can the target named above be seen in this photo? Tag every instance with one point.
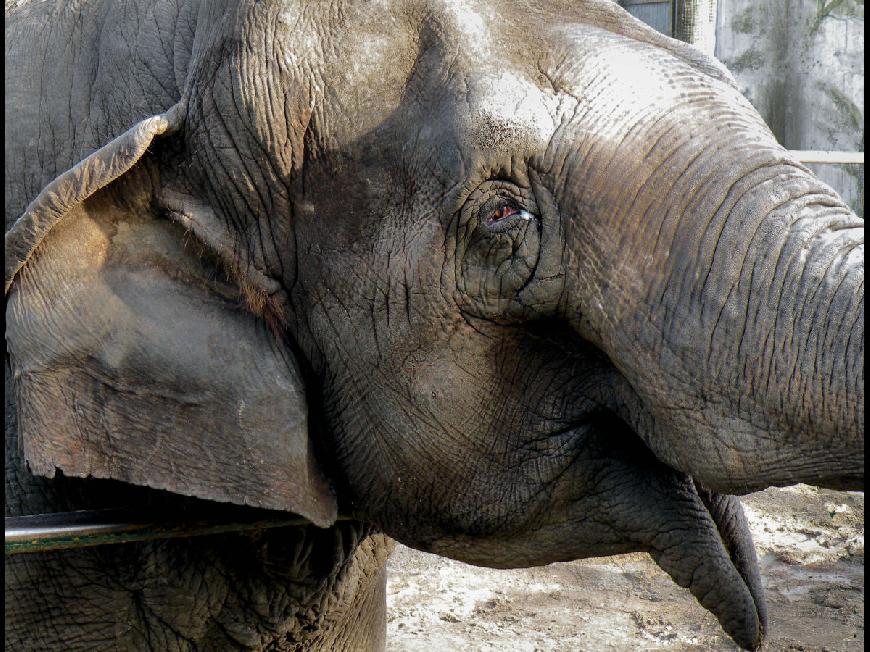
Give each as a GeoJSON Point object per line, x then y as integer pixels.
{"type": "Point", "coordinates": [810, 544]}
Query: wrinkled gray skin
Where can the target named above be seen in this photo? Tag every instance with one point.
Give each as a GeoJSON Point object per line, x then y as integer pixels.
{"type": "Point", "coordinates": [676, 316]}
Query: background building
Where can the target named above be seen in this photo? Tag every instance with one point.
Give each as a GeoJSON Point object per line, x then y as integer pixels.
{"type": "Point", "coordinates": [800, 63]}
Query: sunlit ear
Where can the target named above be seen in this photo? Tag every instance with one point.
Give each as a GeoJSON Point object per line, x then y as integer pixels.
{"type": "Point", "coordinates": [136, 358]}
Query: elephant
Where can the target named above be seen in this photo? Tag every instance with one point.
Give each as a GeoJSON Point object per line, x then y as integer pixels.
{"type": "Point", "coordinates": [511, 282]}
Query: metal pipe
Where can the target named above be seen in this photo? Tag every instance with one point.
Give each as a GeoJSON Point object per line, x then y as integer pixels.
{"type": "Point", "coordinates": [820, 156]}
{"type": "Point", "coordinates": [65, 530]}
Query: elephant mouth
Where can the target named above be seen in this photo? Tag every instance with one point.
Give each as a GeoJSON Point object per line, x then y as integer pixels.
{"type": "Point", "coordinates": [616, 497]}
{"type": "Point", "coordinates": [699, 537]}
{"type": "Point", "coordinates": [726, 581]}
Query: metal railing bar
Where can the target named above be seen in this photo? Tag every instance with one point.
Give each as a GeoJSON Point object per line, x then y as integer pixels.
{"type": "Point", "coordinates": [824, 156]}
{"type": "Point", "coordinates": [65, 530]}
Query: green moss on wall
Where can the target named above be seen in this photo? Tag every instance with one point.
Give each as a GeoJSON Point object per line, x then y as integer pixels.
{"type": "Point", "coordinates": [744, 22]}
{"type": "Point", "coordinates": [847, 110]}
{"type": "Point", "coordinates": [840, 8]}
{"type": "Point", "coordinates": [751, 59]}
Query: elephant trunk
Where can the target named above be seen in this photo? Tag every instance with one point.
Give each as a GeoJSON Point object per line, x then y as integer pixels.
{"type": "Point", "coordinates": [732, 304]}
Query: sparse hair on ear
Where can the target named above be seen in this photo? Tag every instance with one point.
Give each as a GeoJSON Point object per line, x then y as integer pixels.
{"type": "Point", "coordinates": [268, 307]}
{"type": "Point", "coordinates": [264, 296]}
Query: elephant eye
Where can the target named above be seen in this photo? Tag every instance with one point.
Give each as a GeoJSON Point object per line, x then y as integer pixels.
{"type": "Point", "coordinates": [502, 215]}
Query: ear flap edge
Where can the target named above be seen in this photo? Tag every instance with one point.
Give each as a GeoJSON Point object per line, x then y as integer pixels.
{"type": "Point", "coordinates": [77, 184]}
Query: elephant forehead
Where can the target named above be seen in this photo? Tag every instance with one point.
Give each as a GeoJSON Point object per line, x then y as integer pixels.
{"type": "Point", "coordinates": [632, 71]}
{"type": "Point", "coordinates": [509, 113]}
{"type": "Point", "coordinates": [624, 86]}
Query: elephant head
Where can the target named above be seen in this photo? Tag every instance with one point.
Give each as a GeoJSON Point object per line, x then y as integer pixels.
{"type": "Point", "coordinates": [515, 283]}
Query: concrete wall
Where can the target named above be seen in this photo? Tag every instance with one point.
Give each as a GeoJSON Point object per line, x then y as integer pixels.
{"type": "Point", "coordinates": [801, 64]}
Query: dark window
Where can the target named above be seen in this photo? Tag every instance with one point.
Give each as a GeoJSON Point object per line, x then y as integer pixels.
{"type": "Point", "coordinates": [658, 15]}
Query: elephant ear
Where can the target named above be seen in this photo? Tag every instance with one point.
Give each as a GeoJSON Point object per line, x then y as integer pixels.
{"type": "Point", "coordinates": [134, 357]}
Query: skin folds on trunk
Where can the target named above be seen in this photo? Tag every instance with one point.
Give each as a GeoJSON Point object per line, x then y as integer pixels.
{"type": "Point", "coordinates": [764, 349]}
{"type": "Point", "coordinates": [732, 302]}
